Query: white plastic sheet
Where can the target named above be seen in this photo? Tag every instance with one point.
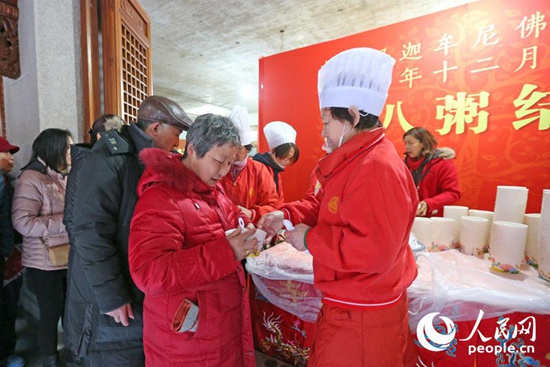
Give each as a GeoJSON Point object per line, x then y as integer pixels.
{"type": "Point", "coordinates": [458, 286]}
{"type": "Point", "coordinates": [282, 262]}
{"type": "Point", "coordinates": [449, 282]}
{"type": "Point", "coordinates": [284, 276]}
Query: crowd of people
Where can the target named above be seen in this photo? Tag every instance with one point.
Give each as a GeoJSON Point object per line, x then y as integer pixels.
{"type": "Point", "coordinates": [155, 239]}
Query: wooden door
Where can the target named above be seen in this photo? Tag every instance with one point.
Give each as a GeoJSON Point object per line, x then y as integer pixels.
{"type": "Point", "coordinates": [116, 58]}
{"type": "Point", "coordinates": [126, 56]}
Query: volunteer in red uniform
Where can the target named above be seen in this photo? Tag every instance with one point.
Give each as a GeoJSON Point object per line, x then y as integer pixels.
{"type": "Point", "coordinates": [283, 152]}
{"type": "Point", "coordinates": [249, 184]}
{"type": "Point", "coordinates": [357, 228]}
{"type": "Point", "coordinates": [434, 176]}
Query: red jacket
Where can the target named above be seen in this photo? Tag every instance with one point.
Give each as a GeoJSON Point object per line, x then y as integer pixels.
{"type": "Point", "coordinates": [438, 185]}
{"type": "Point", "coordinates": [253, 189]}
{"type": "Point", "coordinates": [275, 171]}
{"type": "Point", "coordinates": [361, 221]}
{"type": "Point", "coordinates": [178, 251]}
{"type": "Point", "coordinates": [280, 192]}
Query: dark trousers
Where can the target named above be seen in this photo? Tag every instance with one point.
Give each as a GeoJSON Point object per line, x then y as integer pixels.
{"type": "Point", "coordinates": [50, 288]}
{"type": "Point", "coordinates": [9, 301]}
{"type": "Point", "coordinates": [123, 358]}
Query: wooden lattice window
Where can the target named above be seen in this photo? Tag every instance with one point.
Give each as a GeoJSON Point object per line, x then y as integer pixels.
{"type": "Point", "coordinates": [135, 80]}
{"type": "Point", "coordinates": [126, 57]}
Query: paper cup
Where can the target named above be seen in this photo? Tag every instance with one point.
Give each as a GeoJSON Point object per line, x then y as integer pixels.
{"type": "Point", "coordinates": [260, 235]}
{"type": "Point", "coordinates": [229, 231]}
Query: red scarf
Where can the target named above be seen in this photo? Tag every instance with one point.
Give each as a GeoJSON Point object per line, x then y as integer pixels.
{"type": "Point", "coordinates": [414, 163]}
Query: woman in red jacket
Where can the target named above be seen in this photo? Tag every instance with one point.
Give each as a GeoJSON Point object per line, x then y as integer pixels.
{"type": "Point", "coordinates": [435, 178]}
{"type": "Point", "coordinates": [281, 138]}
{"type": "Point", "coordinates": [357, 226]}
{"type": "Point", "coordinates": [181, 259]}
{"type": "Point", "coordinates": [248, 183]}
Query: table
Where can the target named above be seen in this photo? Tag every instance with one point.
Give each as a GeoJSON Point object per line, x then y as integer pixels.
{"type": "Point", "coordinates": [284, 305]}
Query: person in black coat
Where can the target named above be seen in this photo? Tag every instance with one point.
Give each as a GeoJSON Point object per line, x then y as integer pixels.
{"type": "Point", "coordinates": [103, 317]}
{"type": "Point", "coordinates": [11, 269]}
{"type": "Point", "coordinates": [103, 123]}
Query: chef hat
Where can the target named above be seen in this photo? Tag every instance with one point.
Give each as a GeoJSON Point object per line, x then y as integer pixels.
{"type": "Point", "coordinates": [239, 116]}
{"type": "Point", "coordinates": [358, 77]}
{"type": "Point", "coordinates": [278, 133]}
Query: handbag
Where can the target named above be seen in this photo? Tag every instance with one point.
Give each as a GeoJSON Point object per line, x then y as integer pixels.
{"type": "Point", "coordinates": [14, 267]}
{"type": "Point", "coordinates": [58, 249]}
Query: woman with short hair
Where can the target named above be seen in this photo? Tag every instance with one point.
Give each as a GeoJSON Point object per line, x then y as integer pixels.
{"type": "Point", "coordinates": [196, 310]}
{"type": "Point", "coordinates": [283, 152]}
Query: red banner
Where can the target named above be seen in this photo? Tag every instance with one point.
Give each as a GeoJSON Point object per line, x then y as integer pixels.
{"type": "Point", "coordinates": [477, 76]}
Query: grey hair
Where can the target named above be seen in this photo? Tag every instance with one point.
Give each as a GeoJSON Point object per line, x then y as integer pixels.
{"type": "Point", "coordinates": [211, 130]}
{"type": "Point", "coordinates": [144, 124]}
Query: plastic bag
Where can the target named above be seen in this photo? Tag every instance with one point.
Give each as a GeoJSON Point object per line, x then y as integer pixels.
{"type": "Point", "coordinates": [458, 286]}
{"type": "Point", "coordinates": [284, 276]}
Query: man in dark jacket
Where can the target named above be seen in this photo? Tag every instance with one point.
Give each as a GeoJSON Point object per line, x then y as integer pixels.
{"type": "Point", "coordinates": [79, 151]}
{"type": "Point", "coordinates": [103, 123]}
{"type": "Point", "coordinates": [11, 278]}
{"type": "Point", "coordinates": [103, 318]}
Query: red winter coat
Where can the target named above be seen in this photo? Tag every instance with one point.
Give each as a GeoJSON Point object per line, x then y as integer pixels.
{"type": "Point", "coordinates": [178, 251]}
{"type": "Point", "coordinates": [253, 189]}
{"type": "Point", "coordinates": [438, 185]}
{"type": "Point", "coordinates": [275, 171]}
{"type": "Point", "coordinates": [361, 221]}
{"type": "Point", "coordinates": [279, 190]}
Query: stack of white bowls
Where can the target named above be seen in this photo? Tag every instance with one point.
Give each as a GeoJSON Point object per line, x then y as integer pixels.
{"type": "Point", "coordinates": [473, 235]}
{"type": "Point", "coordinates": [508, 246]}
{"type": "Point", "coordinates": [543, 256]}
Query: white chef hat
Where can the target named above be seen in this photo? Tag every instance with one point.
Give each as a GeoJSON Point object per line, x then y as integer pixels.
{"type": "Point", "coordinates": [239, 117]}
{"type": "Point", "coordinates": [278, 133]}
{"type": "Point", "coordinates": [358, 77]}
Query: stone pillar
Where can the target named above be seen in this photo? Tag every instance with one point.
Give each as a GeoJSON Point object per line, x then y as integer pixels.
{"type": "Point", "coordinates": [49, 91]}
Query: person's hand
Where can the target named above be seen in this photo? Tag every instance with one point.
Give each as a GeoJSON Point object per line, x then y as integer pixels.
{"type": "Point", "coordinates": [422, 209]}
{"type": "Point", "coordinates": [245, 211]}
{"type": "Point", "coordinates": [122, 314]}
{"type": "Point", "coordinates": [240, 245]}
{"type": "Point", "coordinates": [296, 236]}
{"type": "Point", "coordinates": [271, 222]}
